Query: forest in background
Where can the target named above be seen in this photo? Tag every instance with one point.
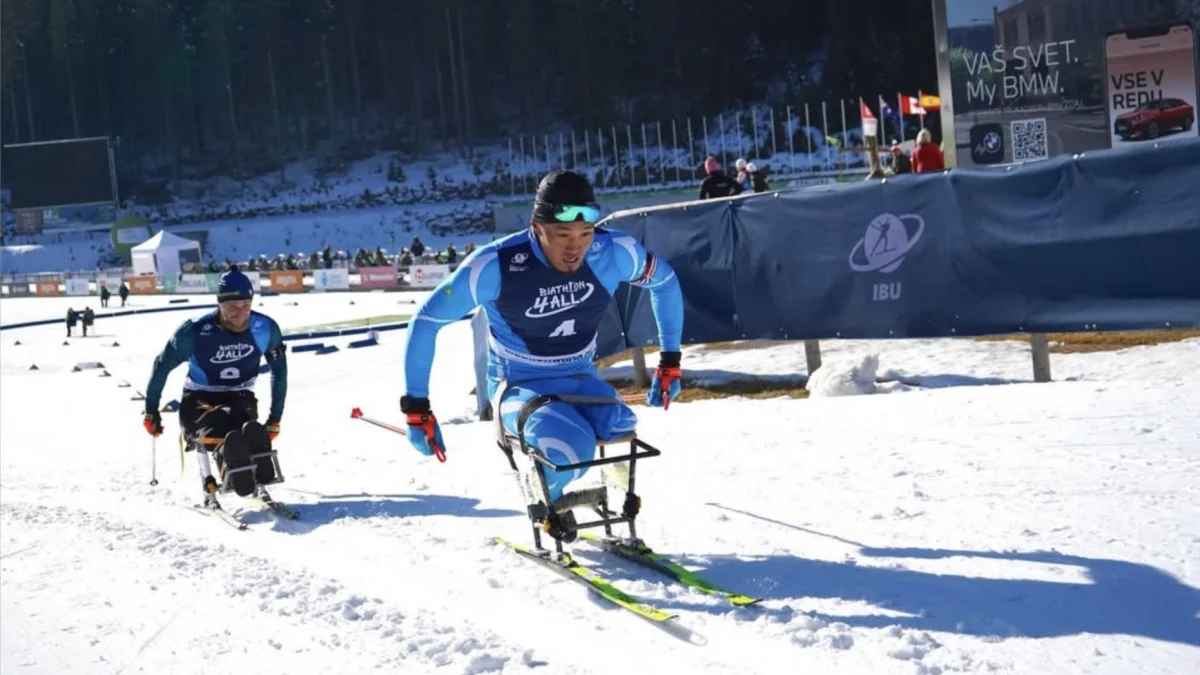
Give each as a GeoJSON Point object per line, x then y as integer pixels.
{"type": "Point", "coordinates": [240, 87]}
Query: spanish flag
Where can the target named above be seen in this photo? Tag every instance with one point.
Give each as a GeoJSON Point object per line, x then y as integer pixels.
{"type": "Point", "coordinates": [930, 102]}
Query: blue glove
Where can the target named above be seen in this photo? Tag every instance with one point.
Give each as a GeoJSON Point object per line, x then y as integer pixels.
{"type": "Point", "coordinates": [666, 381]}
{"type": "Point", "coordinates": [424, 432]}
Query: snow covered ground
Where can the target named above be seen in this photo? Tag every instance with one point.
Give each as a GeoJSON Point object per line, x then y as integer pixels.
{"type": "Point", "coordinates": [391, 228]}
{"type": "Point", "coordinates": [1022, 528]}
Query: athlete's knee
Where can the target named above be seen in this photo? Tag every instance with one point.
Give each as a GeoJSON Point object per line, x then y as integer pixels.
{"type": "Point", "coordinates": [564, 439]}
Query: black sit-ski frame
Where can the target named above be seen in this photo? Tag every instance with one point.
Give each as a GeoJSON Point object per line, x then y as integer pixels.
{"type": "Point", "coordinates": [638, 449]}
{"type": "Point", "coordinates": [226, 485]}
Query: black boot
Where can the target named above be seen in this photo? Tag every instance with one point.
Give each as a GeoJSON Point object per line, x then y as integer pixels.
{"type": "Point", "coordinates": [234, 463]}
{"type": "Point", "coordinates": [561, 526]}
{"type": "Point", "coordinates": [260, 452]}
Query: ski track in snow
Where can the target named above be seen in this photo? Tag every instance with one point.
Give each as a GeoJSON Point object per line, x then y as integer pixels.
{"type": "Point", "coordinates": [290, 620]}
{"type": "Point", "coordinates": [1017, 528]}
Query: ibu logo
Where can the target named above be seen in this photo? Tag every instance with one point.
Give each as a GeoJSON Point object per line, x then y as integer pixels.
{"type": "Point", "coordinates": [888, 291]}
{"type": "Point", "coordinates": [556, 299]}
{"type": "Point", "coordinates": [883, 247]}
{"type": "Point", "coordinates": [231, 353]}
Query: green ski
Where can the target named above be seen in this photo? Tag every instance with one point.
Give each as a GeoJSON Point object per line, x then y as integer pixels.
{"type": "Point", "coordinates": [569, 568]}
{"type": "Point", "coordinates": [643, 555]}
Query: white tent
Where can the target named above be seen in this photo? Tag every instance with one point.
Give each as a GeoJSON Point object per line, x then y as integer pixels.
{"type": "Point", "coordinates": [163, 254]}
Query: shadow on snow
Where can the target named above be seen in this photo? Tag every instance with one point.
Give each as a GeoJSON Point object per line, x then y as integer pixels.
{"type": "Point", "coordinates": [1120, 597]}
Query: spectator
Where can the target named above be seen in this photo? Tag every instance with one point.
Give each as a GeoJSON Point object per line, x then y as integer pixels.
{"type": "Point", "coordinates": [900, 161]}
{"type": "Point", "coordinates": [758, 178]}
{"type": "Point", "coordinates": [927, 156]}
{"type": "Point", "coordinates": [743, 174]}
{"type": "Point", "coordinates": [716, 184]}
{"type": "Point", "coordinates": [417, 247]}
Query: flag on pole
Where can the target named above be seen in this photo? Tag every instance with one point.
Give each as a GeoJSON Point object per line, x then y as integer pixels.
{"type": "Point", "coordinates": [929, 102]}
{"type": "Point", "coordinates": [864, 111]}
{"type": "Point", "coordinates": [911, 105]}
{"type": "Point", "coordinates": [889, 113]}
{"type": "Point", "coordinates": [870, 124]}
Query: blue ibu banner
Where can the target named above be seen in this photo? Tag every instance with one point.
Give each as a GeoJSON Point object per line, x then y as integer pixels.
{"type": "Point", "coordinates": [1106, 241]}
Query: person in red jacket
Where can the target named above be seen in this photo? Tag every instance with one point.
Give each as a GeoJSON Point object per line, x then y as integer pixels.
{"type": "Point", "coordinates": [926, 156]}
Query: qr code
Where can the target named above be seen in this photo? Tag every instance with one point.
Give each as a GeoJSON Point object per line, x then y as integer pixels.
{"type": "Point", "coordinates": [1029, 140]}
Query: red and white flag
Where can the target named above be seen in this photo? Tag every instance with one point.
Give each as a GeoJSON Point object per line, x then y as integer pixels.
{"type": "Point", "coordinates": [911, 105]}
{"type": "Point", "coordinates": [864, 111]}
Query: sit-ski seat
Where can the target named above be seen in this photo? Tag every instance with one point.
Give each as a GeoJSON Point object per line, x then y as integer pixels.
{"type": "Point", "coordinates": [556, 518]}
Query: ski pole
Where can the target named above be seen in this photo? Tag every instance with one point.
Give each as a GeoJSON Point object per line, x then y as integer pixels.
{"type": "Point", "coordinates": [357, 414]}
{"type": "Point", "coordinates": [153, 460]}
{"type": "Point", "coordinates": [631, 398]}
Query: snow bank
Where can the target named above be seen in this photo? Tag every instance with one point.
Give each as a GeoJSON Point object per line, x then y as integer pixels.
{"type": "Point", "coordinates": [850, 377]}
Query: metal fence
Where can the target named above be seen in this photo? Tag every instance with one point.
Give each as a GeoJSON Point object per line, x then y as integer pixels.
{"type": "Point", "coordinates": [818, 139]}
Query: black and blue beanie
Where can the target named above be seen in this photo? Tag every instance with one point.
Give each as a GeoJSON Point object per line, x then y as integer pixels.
{"type": "Point", "coordinates": [234, 286]}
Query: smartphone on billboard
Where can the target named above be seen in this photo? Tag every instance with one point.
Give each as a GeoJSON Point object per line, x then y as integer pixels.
{"type": "Point", "coordinates": [1151, 83]}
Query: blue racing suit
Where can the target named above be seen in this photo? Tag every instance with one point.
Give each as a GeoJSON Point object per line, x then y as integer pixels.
{"type": "Point", "coordinates": [542, 336]}
{"type": "Point", "coordinates": [221, 363]}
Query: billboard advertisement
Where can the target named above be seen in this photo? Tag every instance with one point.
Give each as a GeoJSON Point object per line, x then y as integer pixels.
{"type": "Point", "coordinates": [377, 277]}
{"type": "Point", "coordinates": [335, 279]}
{"type": "Point", "coordinates": [1026, 80]}
{"type": "Point", "coordinates": [195, 283]}
{"type": "Point", "coordinates": [428, 276]}
{"type": "Point", "coordinates": [1151, 83]}
{"type": "Point", "coordinates": [46, 287]}
{"type": "Point", "coordinates": [145, 284]}
{"type": "Point", "coordinates": [254, 277]}
{"type": "Point", "coordinates": [286, 281]}
{"type": "Point", "coordinates": [78, 286]}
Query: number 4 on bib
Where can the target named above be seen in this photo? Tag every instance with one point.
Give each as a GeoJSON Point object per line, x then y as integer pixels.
{"type": "Point", "coordinates": [565, 329]}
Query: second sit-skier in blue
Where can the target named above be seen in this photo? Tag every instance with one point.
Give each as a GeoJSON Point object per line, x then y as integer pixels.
{"type": "Point", "coordinates": [218, 412]}
{"type": "Point", "coordinates": [545, 291]}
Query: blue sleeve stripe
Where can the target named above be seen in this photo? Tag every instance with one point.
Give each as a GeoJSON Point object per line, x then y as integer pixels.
{"type": "Point", "coordinates": [430, 318]}
{"type": "Point", "coordinates": [636, 256]}
{"type": "Point", "coordinates": [195, 372]}
{"type": "Point", "coordinates": [477, 267]}
{"type": "Point", "coordinates": [262, 333]}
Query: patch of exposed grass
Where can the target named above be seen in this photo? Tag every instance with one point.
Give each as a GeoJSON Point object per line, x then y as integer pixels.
{"type": "Point", "coordinates": [1079, 343]}
{"type": "Point", "coordinates": [756, 388]}
{"type": "Point", "coordinates": [706, 391]}
{"type": "Point", "coordinates": [607, 361]}
{"type": "Point", "coordinates": [741, 345]}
